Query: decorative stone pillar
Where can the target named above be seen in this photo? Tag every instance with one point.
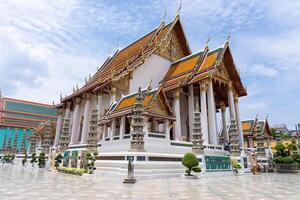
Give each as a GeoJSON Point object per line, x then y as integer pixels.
{"type": "Point", "coordinates": [212, 122]}
{"type": "Point", "coordinates": [65, 134]}
{"type": "Point", "coordinates": [203, 93]}
{"type": "Point", "coordinates": [113, 94]}
{"type": "Point", "coordinates": [122, 126]}
{"type": "Point", "coordinates": [58, 127]}
{"type": "Point", "coordinates": [197, 134]}
{"type": "Point", "coordinates": [224, 125]}
{"type": "Point", "coordinates": [177, 123]}
{"type": "Point", "coordinates": [75, 123]}
{"type": "Point", "coordinates": [231, 101]}
{"type": "Point", "coordinates": [86, 118]}
{"type": "Point", "coordinates": [238, 121]}
{"type": "Point", "coordinates": [191, 109]}
{"type": "Point", "coordinates": [137, 123]}
{"type": "Point", "coordinates": [92, 133]}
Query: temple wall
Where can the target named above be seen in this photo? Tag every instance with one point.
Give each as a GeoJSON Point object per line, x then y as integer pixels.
{"type": "Point", "coordinates": [155, 67]}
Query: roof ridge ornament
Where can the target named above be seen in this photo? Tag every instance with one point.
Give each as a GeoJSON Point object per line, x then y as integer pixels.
{"type": "Point", "coordinates": [179, 9]}
{"type": "Point", "coordinates": [228, 38]}
{"type": "Point", "coordinates": [164, 16]}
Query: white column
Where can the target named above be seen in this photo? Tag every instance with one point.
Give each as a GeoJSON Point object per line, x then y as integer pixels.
{"type": "Point", "coordinates": [122, 127]}
{"type": "Point", "coordinates": [204, 126]}
{"type": "Point", "coordinates": [104, 132]}
{"type": "Point", "coordinates": [75, 123]}
{"type": "Point", "coordinates": [231, 101]}
{"type": "Point", "coordinates": [112, 129]}
{"type": "Point", "coordinates": [112, 95]}
{"type": "Point", "coordinates": [167, 129]}
{"type": "Point", "coordinates": [212, 122]}
{"type": "Point", "coordinates": [191, 109]}
{"type": "Point", "coordinates": [239, 123]}
{"type": "Point", "coordinates": [86, 119]}
{"type": "Point", "coordinates": [146, 125]}
{"type": "Point", "coordinates": [100, 104]}
{"type": "Point", "coordinates": [177, 123]}
{"type": "Point", "coordinates": [224, 131]}
{"type": "Point", "coordinates": [58, 127]}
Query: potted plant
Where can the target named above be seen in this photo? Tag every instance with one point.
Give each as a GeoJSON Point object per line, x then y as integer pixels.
{"type": "Point", "coordinates": [58, 160]}
{"type": "Point", "coordinates": [90, 157]}
{"type": "Point", "coordinates": [24, 160]}
{"type": "Point", "coordinates": [33, 159]}
{"type": "Point", "coordinates": [236, 166]}
{"type": "Point", "coordinates": [42, 160]}
{"type": "Point", "coordinates": [191, 162]}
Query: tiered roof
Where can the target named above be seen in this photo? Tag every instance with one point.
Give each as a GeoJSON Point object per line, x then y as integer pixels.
{"type": "Point", "coordinates": [198, 66]}
{"type": "Point", "coordinates": [253, 127]}
{"type": "Point", "coordinates": [154, 102]}
{"type": "Point", "coordinates": [127, 59]}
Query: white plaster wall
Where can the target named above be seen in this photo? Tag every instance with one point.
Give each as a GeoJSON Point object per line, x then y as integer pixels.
{"type": "Point", "coordinates": [105, 104]}
{"type": "Point", "coordinates": [155, 68]}
{"type": "Point", "coordinates": [184, 112]}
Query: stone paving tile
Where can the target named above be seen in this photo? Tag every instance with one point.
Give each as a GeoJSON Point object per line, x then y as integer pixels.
{"type": "Point", "coordinates": [18, 183]}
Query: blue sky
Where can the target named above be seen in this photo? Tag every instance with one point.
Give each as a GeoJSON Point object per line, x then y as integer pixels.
{"type": "Point", "coordinates": [47, 47]}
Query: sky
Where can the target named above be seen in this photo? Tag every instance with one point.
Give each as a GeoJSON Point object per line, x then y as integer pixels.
{"type": "Point", "coordinates": [49, 46]}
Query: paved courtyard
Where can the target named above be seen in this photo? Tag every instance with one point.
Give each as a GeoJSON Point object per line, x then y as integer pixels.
{"type": "Point", "coordinates": [29, 183]}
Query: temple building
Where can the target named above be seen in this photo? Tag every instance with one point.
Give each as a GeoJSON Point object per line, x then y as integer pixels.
{"type": "Point", "coordinates": [257, 136]}
{"type": "Point", "coordinates": [18, 119]}
{"type": "Point", "coordinates": [144, 99]}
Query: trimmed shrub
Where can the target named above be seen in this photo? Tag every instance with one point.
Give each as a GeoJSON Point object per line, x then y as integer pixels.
{"type": "Point", "coordinates": [288, 160]}
{"type": "Point", "coordinates": [235, 165]}
{"type": "Point", "coordinates": [191, 162]}
{"type": "Point", "coordinates": [297, 158]}
{"type": "Point", "coordinates": [42, 160]}
{"type": "Point", "coordinates": [70, 170]}
{"type": "Point", "coordinates": [278, 159]}
{"type": "Point", "coordinates": [33, 159]}
{"type": "Point", "coordinates": [58, 160]}
{"type": "Point", "coordinates": [196, 169]}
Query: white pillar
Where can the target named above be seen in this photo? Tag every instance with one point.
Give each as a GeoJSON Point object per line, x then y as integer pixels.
{"type": "Point", "coordinates": [75, 123]}
{"type": "Point", "coordinates": [104, 132]}
{"type": "Point", "coordinates": [100, 104]}
{"type": "Point", "coordinates": [224, 131]}
{"type": "Point", "coordinates": [167, 129]}
{"type": "Point", "coordinates": [112, 95]}
{"type": "Point", "coordinates": [212, 122]}
{"type": "Point", "coordinates": [204, 126]}
{"type": "Point", "coordinates": [177, 123]}
{"type": "Point", "coordinates": [191, 109]}
{"type": "Point", "coordinates": [58, 128]}
{"type": "Point", "coordinates": [122, 127]}
{"type": "Point", "coordinates": [112, 129]}
{"type": "Point", "coordinates": [86, 119]}
{"type": "Point", "coordinates": [146, 126]}
{"type": "Point", "coordinates": [231, 101]}
{"type": "Point", "coordinates": [239, 123]}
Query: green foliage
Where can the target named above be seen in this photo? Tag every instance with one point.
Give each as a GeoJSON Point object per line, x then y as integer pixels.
{"type": "Point", "coordinates": [191, 162]}
{"type": "Point", "coordinates": [278, 159]}
{"type": "Point", "coordinates": [69, 170]}
{"type": "Point", "coordinates": [288, 160]}
{"type": "Point", "coordinates": [91, 158]}
{"type": "Point", "coordinates": [292, 147]}
{"type": "Point", "coordinates": [33, 159]}
{"type": "Point", "coordinates": [42, 160]}
{"type": "Point", "coordinates": [296, 157]}
{"type": "Point", "coordinates": [196, 169]}
{"type": "Point", "coordinates": [280, 148]}
{"type": "Point", "coordinates": [24, 160]}
{"type": "Point", "coordinates": [7, 158]}
{"type": "Point", "coordinates": [58, 160]}
{"type": "Point", "coordinates": [235, 165]}
{"type": "Point", "coordinates": [273, 132]}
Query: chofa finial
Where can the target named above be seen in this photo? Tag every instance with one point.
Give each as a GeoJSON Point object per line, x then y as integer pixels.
{"type": "Point", "coordinates": [228, 37]}
{"type": "Point", "coordinates": [179, 9]}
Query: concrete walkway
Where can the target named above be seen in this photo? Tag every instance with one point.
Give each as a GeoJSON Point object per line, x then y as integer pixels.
{"type": "Point", "coordinates": [29, 183]}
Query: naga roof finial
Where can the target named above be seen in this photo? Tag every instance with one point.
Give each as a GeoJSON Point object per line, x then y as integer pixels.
{"type": "Point", "coordinates": [179, 9]}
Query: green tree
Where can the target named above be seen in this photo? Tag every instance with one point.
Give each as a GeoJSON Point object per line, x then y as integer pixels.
{"type": "Point", "coordinates": [191, 162]}
{"type": "Point", "coordinates": [58, 160]}
{"type": "Point", "coordinates": [24, 160]}
{"type": "Point", "coordinates": [90, 157]}
{"type": "Point", "coordinates": [280, 148]}
{"type": "Point", "coordinates": [33, 159]}
{"type": "Point", "coordinates": [42, 160]}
